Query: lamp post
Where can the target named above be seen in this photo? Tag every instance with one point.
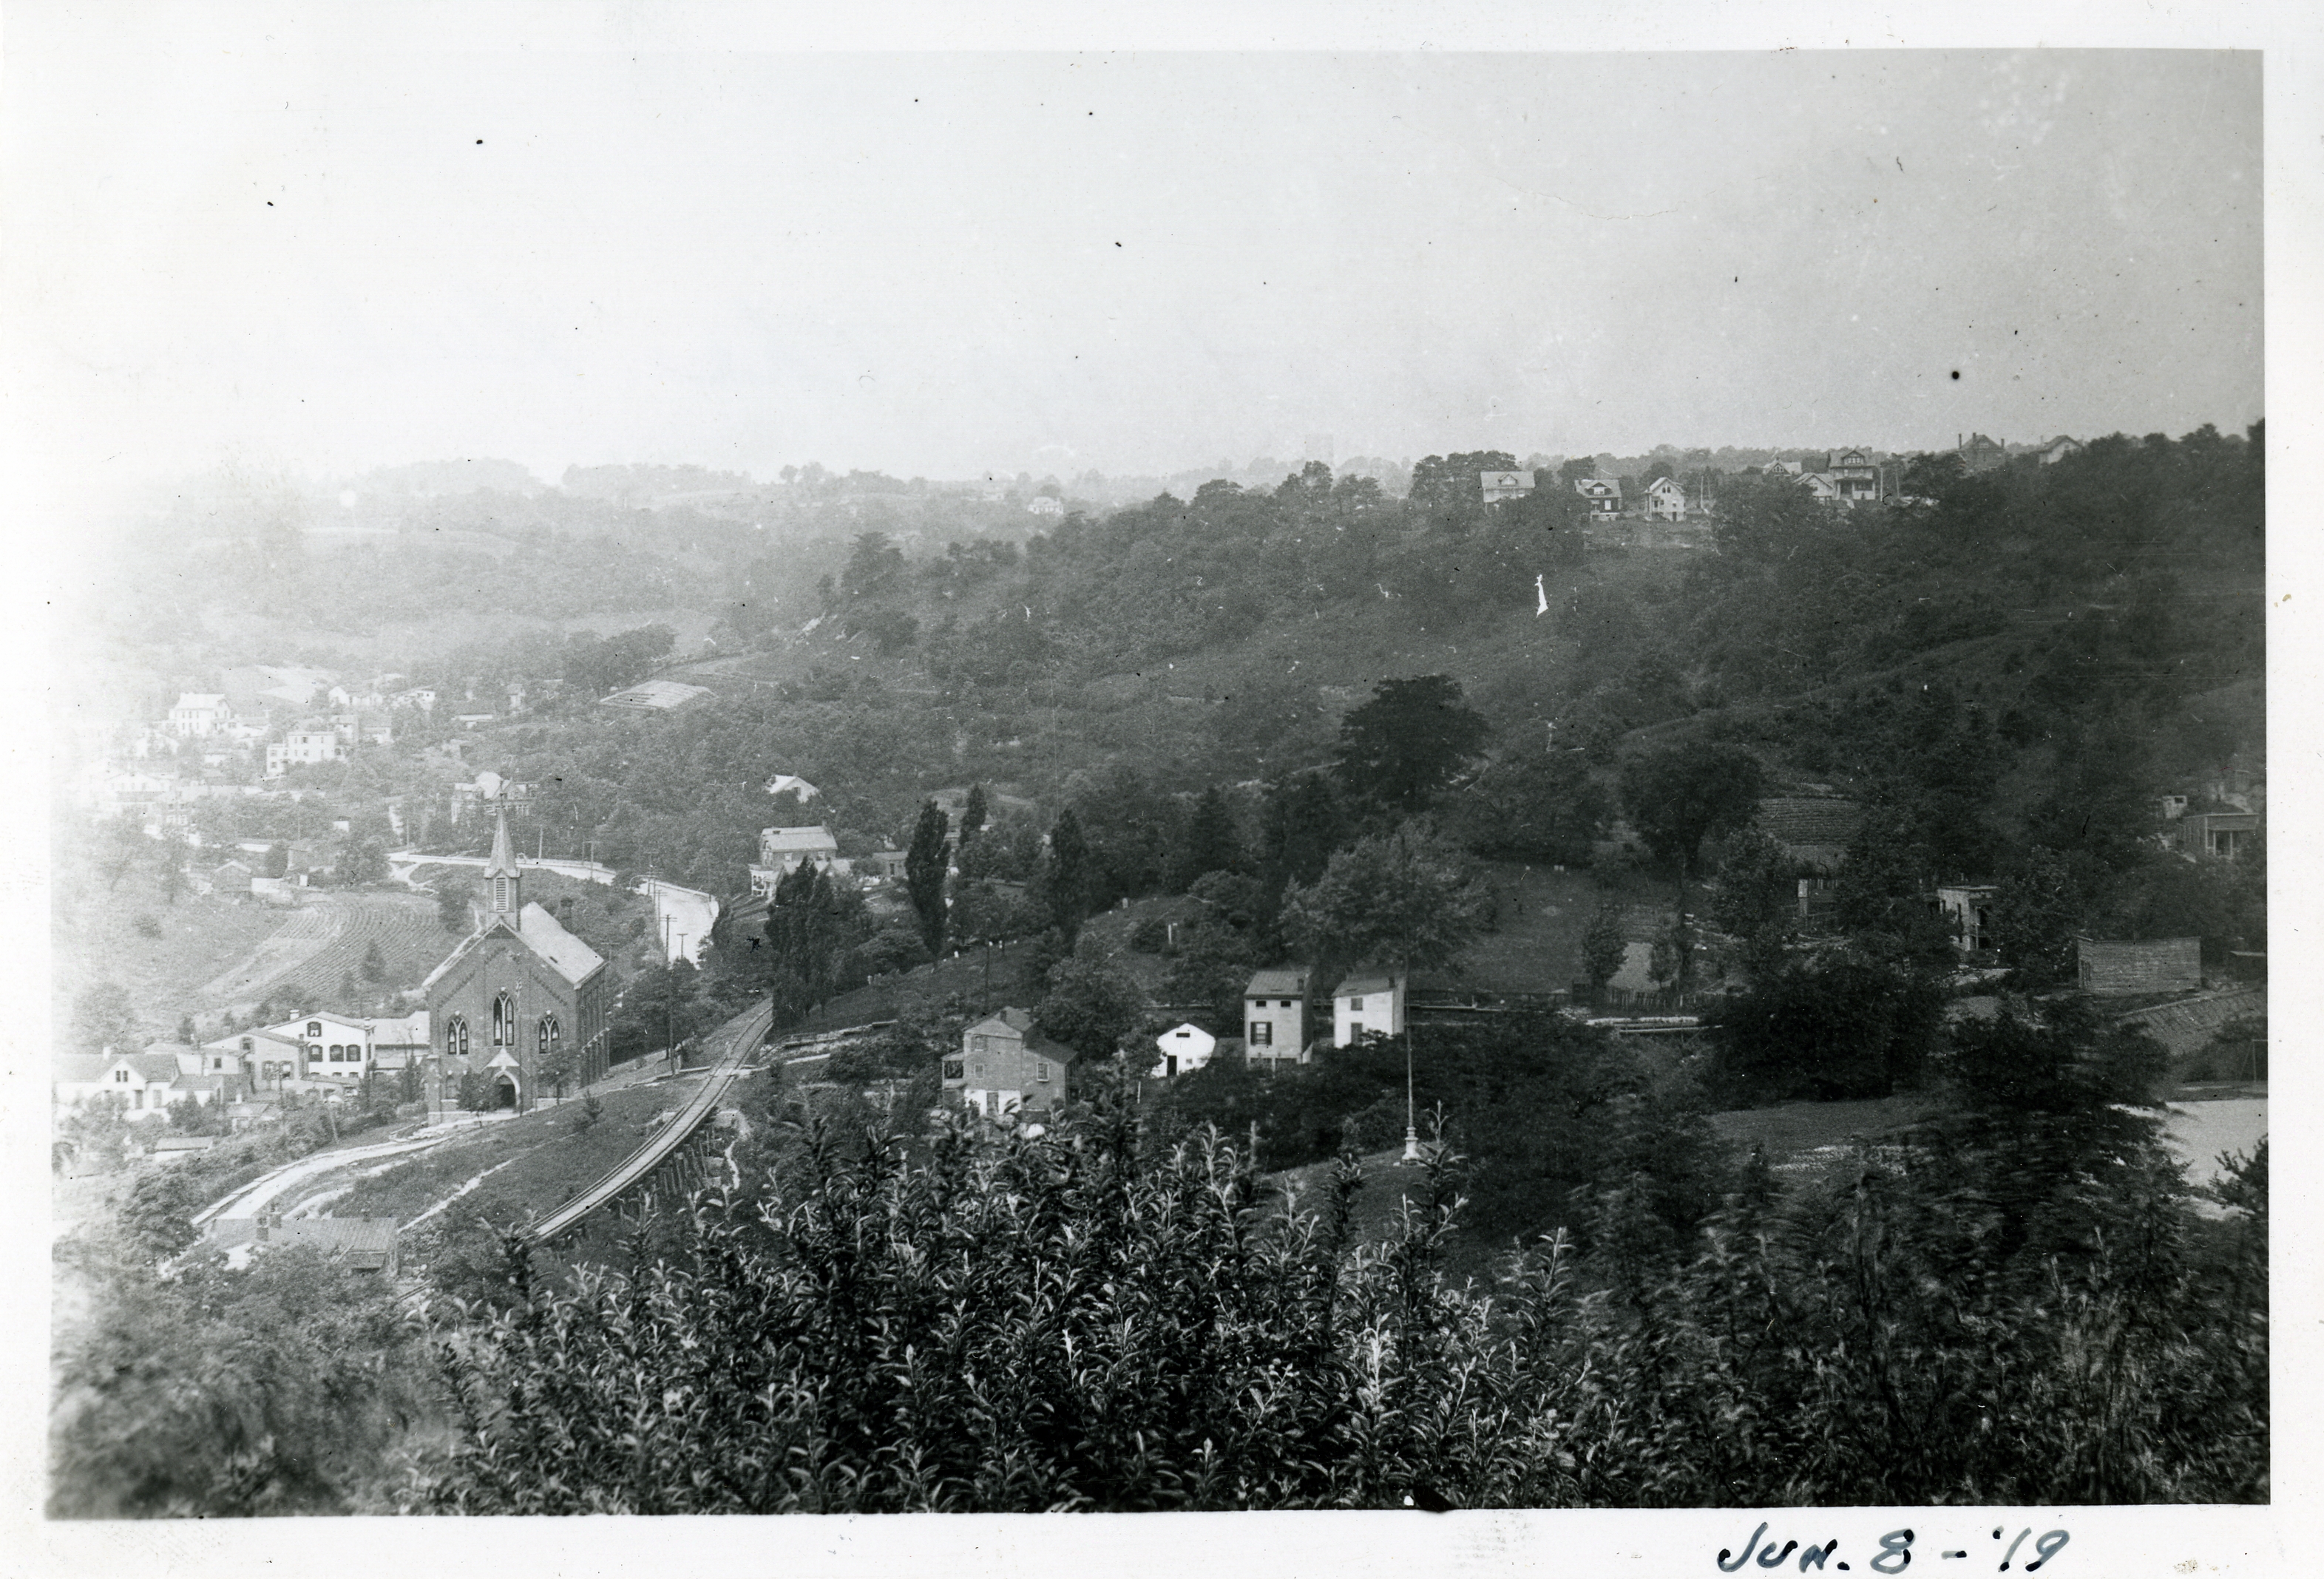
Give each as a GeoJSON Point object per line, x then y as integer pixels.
{"type": "Point", "coordinates": [1411, 1116]}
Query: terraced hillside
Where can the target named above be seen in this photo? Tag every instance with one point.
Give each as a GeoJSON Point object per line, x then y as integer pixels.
{"type": "Point", "coordinates": [322, 943]}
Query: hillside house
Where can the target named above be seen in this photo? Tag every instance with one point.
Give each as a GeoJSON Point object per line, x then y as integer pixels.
{"type": "Point", "coordinates": [145, 1081]}
{"type": "Point", "coordinates": [2122, 967]}
{"type": "Point", "coordinates": [1497, 486]}
{"type": "Point", "coordinates": [1821, 487]}
{"type": "Point", "coordinates": [301, 748]}
{"type": "Point", "coordinates": [1275, 1015]}
{"type": "Point", "coordinates": [230, 879]}
{"type": "Point", "coordinates": [2058, 449]}
{"type": "Point", "coordinates": [1664, 500]}
{"type": "Point", "coordinates": [2225, 834]}
{"type": "Point", "coordinates": [1006, 1066]}
{"type": "Point", "coordinates": [1969, 910]}
{"type": "Point", "coordinates": [1601, 497]}
{"type": "Point", "coordinates": [196, 713]}
{"type": "Point", "coordinates": [264, 1055]}
{"type": "Point", "coordinates": [1184, 1048]}
{"type": "Point", "coordinates": [1368, 1005]}
{"type": "Point", "coordinates": [791, 783]}
{"type": "Point", "coordinates": [781, 851]}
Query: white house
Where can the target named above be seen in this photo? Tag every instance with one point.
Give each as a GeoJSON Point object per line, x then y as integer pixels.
{"type": "Point", "coordinates": [258, 1054]}
{"type": "Point", "coordinates": [199, 713]}
{"type": "Point", "coordinates": [327, 1047]}
{"type": "Point", "coordinates": [1497, 486]}
{"type": "Point", "coordinates": [302, 747]}
{"type": "Point", "coordinates": [791, 783]}
{"type": "Point", "coordinates": [1185, 1048]}
{"type": "Point", "coordinates": [1369, 1005]}
{"type": "Point", "coordinates": [1275, 1015]}
{"type": "Point", "coordinates": [146, 1081]}
{"type": "Point", "coordinates": [1664, 499]}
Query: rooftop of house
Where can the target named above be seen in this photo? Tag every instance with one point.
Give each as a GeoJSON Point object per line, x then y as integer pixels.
{"type": "Point", "coordinates": [813, 839]}
{"type": "Point", "coordinates": [89, 1068]}
{"type": "Point", "coordinates": [1282, 981]}
{"type": "Point", "coordinates": [655, 696]}
{"type": "Point", "coordinates": [200, 699]}
{"type": "Point", "coordinates": [365, 1242]}
{"type": "Point", "coordinates": [1801, 821]}
{"type": "Point", "coordinates": [1020, 1023]}
{"type": "Point", "coordinates": [1360, 986]}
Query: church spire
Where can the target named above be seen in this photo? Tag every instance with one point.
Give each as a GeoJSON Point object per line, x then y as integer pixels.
{"type": "Point", "coordinates": [504, 887]}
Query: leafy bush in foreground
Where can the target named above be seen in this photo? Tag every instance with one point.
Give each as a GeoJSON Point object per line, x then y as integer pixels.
{"type": "Point", "coordinates": [1068, 1322]}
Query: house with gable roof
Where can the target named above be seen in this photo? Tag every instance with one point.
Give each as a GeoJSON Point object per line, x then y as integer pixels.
{"type": "Point", "coordinates": [1601, 497]}
{"type": "Point", "coordinates": [1006, 1066]}
{"type": "Point", "coordinates": [145, 1081]}
{"type": "Point", "coordinates": [1275, 1015]}
{"type": "Point", "coordinates": [518, 993]}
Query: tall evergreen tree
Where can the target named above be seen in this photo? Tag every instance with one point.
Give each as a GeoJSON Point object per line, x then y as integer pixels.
{"type": "Point", "coordinates": [924, 875]}
{"type": "Point", "coordinates": [1210, 843]}
{"type": "Point", "coordinates": [1065, 874]}
{"type": "Point", "coordinates": [972, 815]}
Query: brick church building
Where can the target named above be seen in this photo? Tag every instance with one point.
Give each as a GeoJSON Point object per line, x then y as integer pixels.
{"type": "Point", "coordinates": [516, 993]}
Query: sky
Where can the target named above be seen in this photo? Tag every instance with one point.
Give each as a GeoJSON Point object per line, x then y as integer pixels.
{"type": "Point", "coordinates": [326, 250]}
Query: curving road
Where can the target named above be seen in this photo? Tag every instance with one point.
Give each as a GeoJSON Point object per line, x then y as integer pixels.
{"type": "Point", "coordinates": [682, 916]}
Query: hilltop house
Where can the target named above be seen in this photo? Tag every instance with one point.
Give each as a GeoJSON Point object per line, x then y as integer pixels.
{"type": "Point", "coordinates": [1497, 486]}
{"type": "Point", "coordinates": [791, 783]}
{"type": "Point", "coordinates": [520, 995]}
{"type": "Point", "coordinates": [1979, 453]}
{"type": "Point", "coordinates": [1855, 476]}
{"type": "Point", "coordinates": [1275, 1015]}
{"type": "Point", "coordinates": [1005, 1066]}
{"type": "Point", "coordinates": [2225, 834]}
{"type": "Point", "coordinates": [2058, 449]}
{"type": "Point", "coordinates": [1370, 1004]}
{"type": "Point", "coordinates": [1664, 500]}
{"type": "Point", "coordinates": [1601, 497]}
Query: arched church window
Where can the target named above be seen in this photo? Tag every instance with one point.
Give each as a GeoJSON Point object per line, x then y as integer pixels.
{"type": "Point", "coordinates": [456, 1036]}
{"type": "Point", "coordinates": [500, 893]}
{"type": "Point", "coordinates": [504, 1020]}
{"type": "Point", "coordinates": [550, 1035]}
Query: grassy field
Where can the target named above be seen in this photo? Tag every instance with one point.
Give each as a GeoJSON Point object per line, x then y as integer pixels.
{"type": "Point", "coordinates": [94, 937]}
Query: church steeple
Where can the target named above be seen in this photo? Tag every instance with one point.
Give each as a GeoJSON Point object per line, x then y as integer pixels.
{"type": "Point", "coordinates": [504, 884]}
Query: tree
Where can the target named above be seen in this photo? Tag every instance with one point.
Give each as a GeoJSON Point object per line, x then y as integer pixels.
{"type": "Point", "coordinates": [1844, 1026]}
{"type": "Point", "coordinates": [123, 847]}
{"type": "Point", "coordinates": [363, 859]}
{"type": "Point", "coordinates": [1604, 945]}
{"type": "Point", "coordinates": [924, 875]}
{"type": "Point", "coordinates": [171, 857]}
{"type": "Point", "coordinates": [972, 815]}
{"type": "Point", "coordinates": [1405, 899]}
{"type": "Point", "coordinates": [186, 1034]}
{"type": "Point", "coordinates": [1065, 875]}
{"type": "Point", "coordinates": [1411, 740]}
{"type": "Point", "coordinates": [103, 1017]}
{"type": "Point", "coordinates": [452, 898]}
{"type": "Point", "coordinates": [1677, 796]}
{"type": "Point", "coordinates": [1540, 804]}
{"type": "Point", "coordinates": [1209, 844]}
{"type": "Point", "coordinates": [374, 964]}
{"type": "Point", "coordinates": [1092, 1006]}
{"type": "Point", "coordinates": [2033, 919]}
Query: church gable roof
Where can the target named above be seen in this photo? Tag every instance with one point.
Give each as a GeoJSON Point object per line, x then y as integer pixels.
{"type": "Point", "coordinates": [564, 953]}
{"type": "Point", "coordinates": [539, 932]}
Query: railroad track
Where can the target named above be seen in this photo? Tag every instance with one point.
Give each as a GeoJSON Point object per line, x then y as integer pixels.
{"type": "Point", "coordinates": [679, 1154]}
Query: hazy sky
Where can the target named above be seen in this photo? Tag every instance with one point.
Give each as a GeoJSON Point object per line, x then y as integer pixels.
{"type": "Point", "coordinates": [944, 264]}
